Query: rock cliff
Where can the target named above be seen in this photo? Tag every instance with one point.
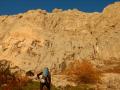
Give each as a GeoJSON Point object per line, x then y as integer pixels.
{"type": "Point", "coordinates": [36, 38]}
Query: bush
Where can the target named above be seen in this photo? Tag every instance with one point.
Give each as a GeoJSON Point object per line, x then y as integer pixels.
{"type": "Point", "coordinates": [29, 73]}
{"type": "Point", "coordinates": [8, 80]}
{"type": "Point", "coordinates": [83, 72]}
{"type": "Point", "coordinates": [4, 71]}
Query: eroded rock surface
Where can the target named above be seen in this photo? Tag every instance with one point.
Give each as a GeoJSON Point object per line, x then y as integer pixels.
{"type": "Point", "coordinates": [36, 38]}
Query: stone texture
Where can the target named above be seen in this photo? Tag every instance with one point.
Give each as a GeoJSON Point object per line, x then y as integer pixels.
{"type": "Point", "coordinates": [110, 81]}
{"type": "Point", "coordinates": [36, 38]}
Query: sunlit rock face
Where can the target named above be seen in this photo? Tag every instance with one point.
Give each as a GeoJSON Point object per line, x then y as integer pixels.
{"type": "Point", "coordinates": [36, 38]}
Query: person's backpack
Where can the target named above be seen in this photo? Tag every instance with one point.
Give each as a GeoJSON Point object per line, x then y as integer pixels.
{"type": "Point", "coordinates": [45, 72]}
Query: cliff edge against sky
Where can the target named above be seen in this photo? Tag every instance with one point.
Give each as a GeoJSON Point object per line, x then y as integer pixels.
{"type": "Point", "coordinates": [36, 38]}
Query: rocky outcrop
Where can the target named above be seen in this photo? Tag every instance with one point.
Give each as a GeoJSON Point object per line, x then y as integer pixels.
{"type": "Point", "coordinates": [36, 38]}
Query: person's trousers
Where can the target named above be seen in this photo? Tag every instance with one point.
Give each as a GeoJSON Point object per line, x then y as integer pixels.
{"type": "Point", "coordinates": [44, 84]}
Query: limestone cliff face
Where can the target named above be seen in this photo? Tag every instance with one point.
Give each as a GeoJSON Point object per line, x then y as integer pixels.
{"type": "Point", "coordinates": [37, 38]}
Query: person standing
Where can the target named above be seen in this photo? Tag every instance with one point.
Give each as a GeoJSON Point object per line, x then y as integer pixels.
{"type": "Point", "coordinates": [45, 78]}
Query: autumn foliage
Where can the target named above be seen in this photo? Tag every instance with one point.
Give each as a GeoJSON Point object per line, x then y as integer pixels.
{"type": "Point", "coordinates": [83, 72]}
{"type": "Point", "coordinates": [8, 80]}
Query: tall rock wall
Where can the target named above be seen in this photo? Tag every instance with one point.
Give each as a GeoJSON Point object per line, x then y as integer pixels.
{"type": "Point", "coordinates": [36, 38]}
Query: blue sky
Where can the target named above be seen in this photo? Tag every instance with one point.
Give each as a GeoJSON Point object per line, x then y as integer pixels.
{"type": "Point", "coordinates": [19, 6]}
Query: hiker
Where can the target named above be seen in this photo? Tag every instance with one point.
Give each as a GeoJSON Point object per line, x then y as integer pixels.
{"type": "Point", "coordinates": [45, 78]}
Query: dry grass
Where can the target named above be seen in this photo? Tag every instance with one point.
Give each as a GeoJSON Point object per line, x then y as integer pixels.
{"type": "Point", "coordinates": [14, 83]}
{"type": "Point", "coordinates": [112, 66]}
{"type": "Point", "coordinates": [115, 69]}
{"type": "Point", "coordinates": [8, 80]}
{"type": "Point", "coordinates": [83, 72]}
